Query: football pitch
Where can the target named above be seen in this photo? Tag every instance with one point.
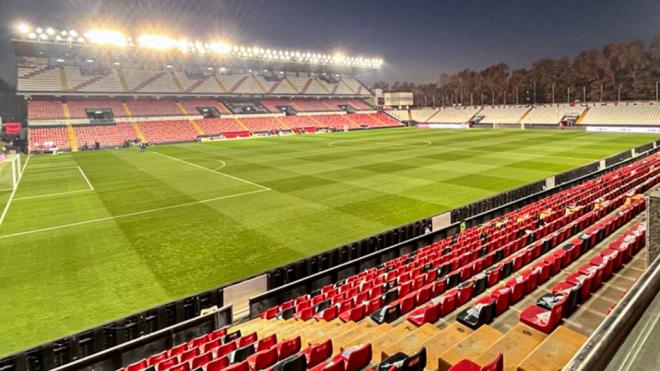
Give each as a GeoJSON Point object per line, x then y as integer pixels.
{"type": "Point", "coordinates": [90, 237]}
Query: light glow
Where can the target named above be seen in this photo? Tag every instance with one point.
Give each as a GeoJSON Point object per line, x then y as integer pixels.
{"type": "Point", "coordinates": [106, 37]}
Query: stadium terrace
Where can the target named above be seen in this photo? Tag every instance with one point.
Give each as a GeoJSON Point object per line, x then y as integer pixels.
{"type": "Point", "coordinates": [176, 204]}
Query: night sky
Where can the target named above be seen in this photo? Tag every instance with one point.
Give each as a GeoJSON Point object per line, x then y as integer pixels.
{"type": "Point", "coordinates": [419, 39]}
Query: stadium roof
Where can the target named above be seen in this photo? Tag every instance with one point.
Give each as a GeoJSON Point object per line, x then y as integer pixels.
{"type": "Point", "coordinates": [48, 41]}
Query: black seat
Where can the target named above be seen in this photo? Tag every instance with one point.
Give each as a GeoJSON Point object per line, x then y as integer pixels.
{"type": "Point", "coordinates": [416, 362]}
{"type": "Point", "coordinates": [507, 268]}
{"type": "Point", "coordinates": [287, 313]}
{"type": "Point", "coordinates": [395, 360]}
{"type": "Point", "coordinates": [241, 354]}
{"type": "Point", "coordinates": [478, 315]}
{"type": "Point", "coordinates": [296, 362]}
{"type": "Point", "coordinates": [390, 296]}
{"type": "Point", "coordinates": [387, 314]}
{"type": "Point", "coordinates": [444, 269]}
{"type": "Point", "coordinates": [228, 338]}
{"type": "Point", "coordinates": [322, 305]}
{"type": "Point", "coordinates": [480, 283]}
{"type": "Point", "coordinates": [453, 279]}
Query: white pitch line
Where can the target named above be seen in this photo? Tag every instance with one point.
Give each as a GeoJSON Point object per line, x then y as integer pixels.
{"type": "Point", "coordinates": [136, 213]}
{"type": "Point", "coordinates": [222, 166]}
{"type": "Point", "coordinates": [381, 144]}
{"type": "Point", "coordinates": [52, 194]}
{"type": "Point", "coordinates": [13, 192]}
{"type": "Point", "coordinates": [213, 171]}
{"type": "Point", "coordinates": [91, 187]}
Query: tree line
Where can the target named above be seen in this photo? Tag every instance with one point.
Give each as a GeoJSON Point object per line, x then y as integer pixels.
{"type": "Point", "coordinates": [619, 71]}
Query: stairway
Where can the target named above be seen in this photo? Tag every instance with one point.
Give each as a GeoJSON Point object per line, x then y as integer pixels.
{"type": "Point", "coordinates": [193, 123]}
{"type": "Point", "coordinates": [582, 116]}
{"type": "Point", "coordinates": [63, 79]}
{"type": "Point", "coordinates": [71, 134]}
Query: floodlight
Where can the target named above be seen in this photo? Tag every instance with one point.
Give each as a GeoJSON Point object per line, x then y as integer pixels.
{"type": "Point", "coordinates": [106, 37]}
{"type": "Point", "coordinates": [43, 36]}
{"type": "Point", "coordinates": [32, 35]}
{"type": "Point", "coordinates": [117, 64]}
{"type": "Point", "coordinates": [63, 33]}
{"type": "Point", "coordinates": [23, 28]}
{"type": "Point", "coordinates": [73, 33]}
{"type": "Point", "coordinates": [156, 42]}
{"type": "Point", "coordinates": [39, 30]}
{"type": "Point", "coordinates": [81, 40]}
{"type": "Point", "coordinates": [50, 31]}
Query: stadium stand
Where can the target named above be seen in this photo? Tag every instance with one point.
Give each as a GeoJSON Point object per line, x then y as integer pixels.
{"type": "Point", "coordinates": [45, 109]}
{"type": "Point", "coordinates": [386, 315]}
{"type": "Point", "coordinates": [261, 124]}
{"type": "Point", "coordinates": [167, 131]}
{"type": "Point", "coordinates": [46, 138]}
{"type": "Point", "coordinates": [153, 107]}
{"type": "Point", "coordinates": [78, 108]}
{"type": "Point", "coordinates": [453, 115]}
{"type": "Point", "coordinates": [551, 114]}
{"type": "Point", "coordinates": [215, 126]}
{"type": "Point", "coordinates": [625, 113]}
{"type": "Point", "coordinates": [503, 114]}
{"type": "Point", "coordinates": [307, 105]}
{"type": "Point", "coordinates": [190, 105]}
{"type": "Point", "coordinates": [106, 135]}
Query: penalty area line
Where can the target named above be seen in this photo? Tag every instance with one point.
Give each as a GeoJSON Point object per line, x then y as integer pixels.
{"type": "Point", "coordinates": [136, 213]}
{"type": "Point", "coordinates": [213, 171]}
{"type": "Point", "coordinates": [13, 192]}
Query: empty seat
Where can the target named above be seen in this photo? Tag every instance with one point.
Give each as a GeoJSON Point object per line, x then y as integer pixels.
{"type": "Point", "coordinates": [466, 365]}
{"type": "Point", "coordinates": [318, 353]}
{"type": "Point", "coordinates": [263, 359]}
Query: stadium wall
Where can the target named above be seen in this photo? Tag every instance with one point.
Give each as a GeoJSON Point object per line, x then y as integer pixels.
{"type": "Point", "coordinates": [127, 338]}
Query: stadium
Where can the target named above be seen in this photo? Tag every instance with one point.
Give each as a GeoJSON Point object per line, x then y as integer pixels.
{"type": "Point", "coordinates": [185, 201]}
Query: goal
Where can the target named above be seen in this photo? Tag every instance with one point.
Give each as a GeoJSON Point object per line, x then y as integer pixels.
{"type": "Point", "coordinates": [10, 171]}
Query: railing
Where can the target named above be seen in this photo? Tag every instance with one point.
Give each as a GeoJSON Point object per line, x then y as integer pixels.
{"type": "Point", "coordinates": [602, 345]}
{"type": "Point", "coordinates": [115, 357]}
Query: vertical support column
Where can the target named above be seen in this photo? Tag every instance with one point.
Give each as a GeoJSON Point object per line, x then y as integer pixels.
{"type": "Point", "coordinates": [550, 182]}
{"type": "Point", "coordinates": [653, 231]}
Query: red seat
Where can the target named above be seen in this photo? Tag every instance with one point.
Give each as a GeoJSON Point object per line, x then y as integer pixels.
{"type": "Point", "coordinates": [464, 292]}
{"type": "Point", "coordinates": [167, 364]}
{"type": "Point", "coordinates": [596, 273]}
{"type": "Point", "coordinates": [137, 366]}
{"type": "Point", "coordinates": [217, 334]}
{"type": "Point", "coordinates": [225, 349]}
{"type": "Point", "coordinates": [423, 295]}
{"type": "Point", "coordinates": [466, 365]}
{"type": "Point", "coordinates": [188, 355]}
{"type": "Point", "coordinates": [157, 358]}
{"type": "Point", "coordinates": [269, 313]}
{"type": "Point", "coordinates": [541, 318]}
{"type": "Point", "coordinates": [328, 366]}
{"type": "Point", "coordinates": [517, 286]}
{"type": "Point", "coordinates": [374, 304]}
{"type": "Point", "coordinates": [239, 366]}
{"type": "Point", "coordinates": [355, 314]}
{"type": "Point", "coordinates": [355, 358]}
{"type": "Point", "coordinates": [178, 349]}
{"type": "Point", "coordinates": [218, 364]}
{"type": "Point", "coordinates": [530, 277]}
{"type": "Point", "coordinates": [318, 353]}
{"type": "Point", "coordinates": [263, 359]}
{"type": "Point", "coordinates": [247, 339]}
{"type": "Point", "coordinates": [196, 342]}
{"type": "Point", "coordinates": [266, 342]}
{"type": "Point", "coordinates": [211, 345]}
{"type": "Point", "coordinates": [406, 304]}
{"type": "Point", "coordinates": [427, 314]}
{"type": "Point", "coordinates": [288, 348]}
{"type": "Point", "coordinates": [328, 314]}
{"type": "Point", "coordinates": [304, 314]}
{"type": "Point", "coordinates": [448, 302]}
{"type": "Point", "coordinates": [185, 366]}
{"type": "Point", "coordinates": [502, 296]}
{"type": "Point", "coordinates": [201, 360]}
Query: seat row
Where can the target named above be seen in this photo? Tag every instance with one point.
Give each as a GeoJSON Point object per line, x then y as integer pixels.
{"type": "Point", "coordinates": [488, 307]}
{"type": "Point", "coordinates": [578, 286]}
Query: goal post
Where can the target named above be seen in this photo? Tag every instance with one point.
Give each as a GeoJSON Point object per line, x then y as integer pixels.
{"type": "Point", "coordinates": [10, 171]}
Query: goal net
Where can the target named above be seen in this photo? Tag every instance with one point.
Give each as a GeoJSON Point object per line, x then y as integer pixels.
{"type": "Point", "coordinates": [10, 171]}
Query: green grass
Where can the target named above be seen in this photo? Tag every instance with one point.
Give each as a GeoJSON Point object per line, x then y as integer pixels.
{"type": "Point", "coordinates": [75, 260]}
